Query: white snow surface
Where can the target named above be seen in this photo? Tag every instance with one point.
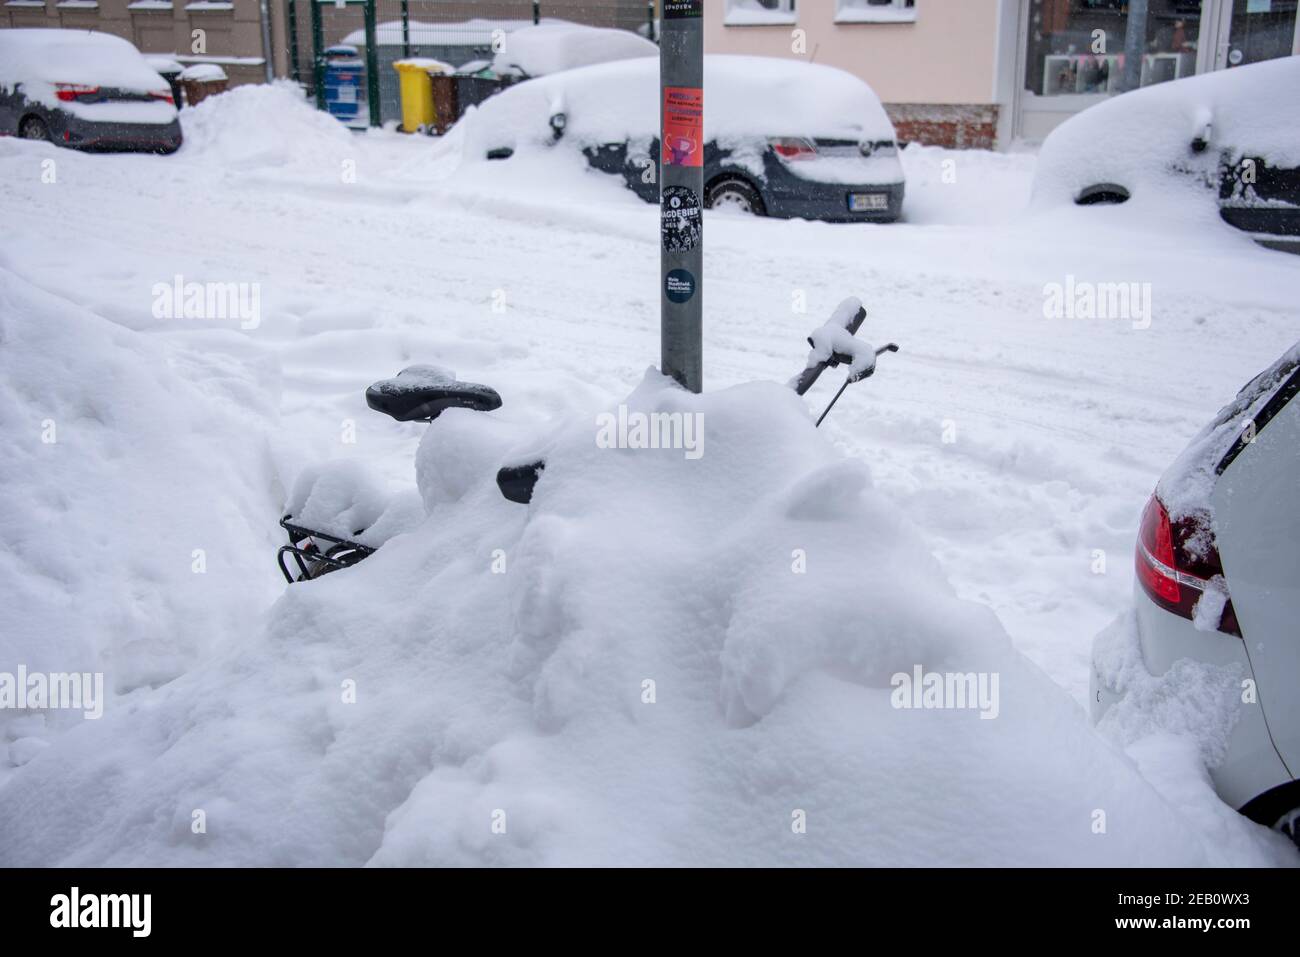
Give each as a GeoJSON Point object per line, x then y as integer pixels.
{"type": "Point", "coordinates": [553, 47]}
{"type": "Point", "coordinates": [524, 691]}
{"type": "Point", "coordinates": [950, 512]}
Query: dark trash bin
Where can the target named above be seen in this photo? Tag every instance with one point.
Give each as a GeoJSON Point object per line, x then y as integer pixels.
{"type": "Point", "coordinates": [201, 81]}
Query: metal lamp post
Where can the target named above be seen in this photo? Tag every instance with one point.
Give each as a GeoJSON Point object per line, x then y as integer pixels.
{"type": "Point", "coordinates": [681, 191]}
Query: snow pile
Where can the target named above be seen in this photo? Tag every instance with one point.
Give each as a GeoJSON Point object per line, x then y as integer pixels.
{"type": "Point", "coordinates": [747, 97]}
{"type": "Point", "coordinates": [1176, 727]}
{"type": "Point", "coordinates": [662, 660]}
{"type": "Point", "coordinates": [552, 47]}
{"type": "Point", "coordinates": [344, 499]}
{"type": "Point", "coordinates": [1193, 698]}
{"type": "Point", "coordinates": [265, 126]}
{"type": "Point", "coordinates": [134, 484]}
{"type": "Point", "coordinates": [968, 187]}
{"type": "Point", "coordinates": [1142, 140]}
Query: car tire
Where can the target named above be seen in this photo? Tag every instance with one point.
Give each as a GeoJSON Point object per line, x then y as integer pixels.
{"type": "Point", "coordinates": [1277, 809]}
{"type": "Point", "coordinates": [734, 194]}
{"type": "Point", "coordinates": [33, 128]}
{"type": "Point", "coordinates": [1289, 825]}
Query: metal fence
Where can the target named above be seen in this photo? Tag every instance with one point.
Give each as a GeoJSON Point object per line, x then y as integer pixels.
{"type": "Point", "coordinates": [454, 31]}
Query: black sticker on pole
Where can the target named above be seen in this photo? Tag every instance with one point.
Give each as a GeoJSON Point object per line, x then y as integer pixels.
{"type": "Point", "coordinates": [679, 286]}
{"type": "Point", "coordinates": [680, 215]}
{"type": "Point", "coordinates": [680, 9]}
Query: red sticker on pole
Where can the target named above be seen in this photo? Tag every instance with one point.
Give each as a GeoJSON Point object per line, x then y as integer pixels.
{"type": "Point", "coordinates": [683, 139]}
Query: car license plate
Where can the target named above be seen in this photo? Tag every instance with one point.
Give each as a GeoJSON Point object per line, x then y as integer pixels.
{"type": "Point", "coordinates": [867, 202]}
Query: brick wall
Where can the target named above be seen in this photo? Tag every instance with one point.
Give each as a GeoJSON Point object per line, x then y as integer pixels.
{"type": "Point", "coordinates": [959, 126]}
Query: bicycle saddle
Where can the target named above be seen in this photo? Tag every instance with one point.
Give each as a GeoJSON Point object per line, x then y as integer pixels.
{"type": "Point", "coordinates": [421, 393]}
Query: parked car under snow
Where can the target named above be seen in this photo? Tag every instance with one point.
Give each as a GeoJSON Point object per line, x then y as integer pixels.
{"type": "Point", "coordinates": [85, 90]}
{"type": "Point", "coordinates": [1225, 143]}
{"type": "Point", "coordinates": [1217, 597]}
{"type": "Point", "coordinates": [781, 138]}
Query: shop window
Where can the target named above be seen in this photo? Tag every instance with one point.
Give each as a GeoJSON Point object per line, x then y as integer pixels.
{"type": "Point", "coordinates": [1082, 47]}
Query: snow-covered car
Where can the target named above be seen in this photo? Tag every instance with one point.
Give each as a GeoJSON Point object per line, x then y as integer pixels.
{"type": "Point", "coordinates": [1231, 136]}
{"type": "Point", "coordinates": [780, 137]}
{"type": "Point", "coordinates": [547, 48]}
{"type": "Point", "coordinates": [83, 89]}
{"type": "Point", "coordinates": [1218, 596]}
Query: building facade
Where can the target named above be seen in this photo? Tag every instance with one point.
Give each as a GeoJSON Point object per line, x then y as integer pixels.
{"type": "Point", "coordinates": [970, 73]}
{"type": "Point", "coordinates": [226, 32]}
{"type": "Point", "coordinates": [985, 73]}
{"type": "Point", "coordinates": [255, 40]}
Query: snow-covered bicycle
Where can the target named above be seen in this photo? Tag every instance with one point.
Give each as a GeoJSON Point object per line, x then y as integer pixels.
{"type": "Point", "coordinates": [320, 544]}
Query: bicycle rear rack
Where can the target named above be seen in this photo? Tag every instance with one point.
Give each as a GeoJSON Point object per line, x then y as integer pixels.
{"type": "Point", "coordinates": [312, 560]}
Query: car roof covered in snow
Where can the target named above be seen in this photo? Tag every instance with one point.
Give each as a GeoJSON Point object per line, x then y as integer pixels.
{"type": "Point", "coordinates": [1143, 140]}
{"type": "Point", "coordinates": [554, 47]}
{"type": "Point", "coordinates": [74, 56]}
{"type": "Point", "coordinates": [745, 97]}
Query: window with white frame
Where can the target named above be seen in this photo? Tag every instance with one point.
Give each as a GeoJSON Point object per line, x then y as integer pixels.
{"type": "Point", "coordinates": [875, 11]}
{"type": "Point", "coordinates": [758, 13]}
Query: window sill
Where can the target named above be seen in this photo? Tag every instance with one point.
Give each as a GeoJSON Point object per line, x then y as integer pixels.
{"type": "Point", "coordinates": [875, 16]}
{"type": "Point", "coordinates": [208, 6]}
{"type": "Point", "coordinates": [150, 5]}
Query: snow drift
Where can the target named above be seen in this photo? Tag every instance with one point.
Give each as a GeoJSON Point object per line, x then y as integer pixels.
{"type": "Point", "coordinates": [105, 566]}
{"type": "Point", "coordinates": [662, 660]}
{"type": "Point", "coordinates": [265, 126]}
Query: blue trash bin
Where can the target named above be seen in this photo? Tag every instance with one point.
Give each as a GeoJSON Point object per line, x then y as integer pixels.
{"type": "Point", "coordinates": [345, 76]}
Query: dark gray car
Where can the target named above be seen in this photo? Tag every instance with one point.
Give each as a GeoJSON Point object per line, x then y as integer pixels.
{"type": "Point", "coordinates": [84, 90]}
{"type": "Point", "coordinates": [776, 137]}
{"type": "Point", "coordinates": [732, 180]}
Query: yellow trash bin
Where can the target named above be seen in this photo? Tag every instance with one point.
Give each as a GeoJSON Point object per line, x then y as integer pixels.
{"type": "Point", "coordinates": [417, 92]}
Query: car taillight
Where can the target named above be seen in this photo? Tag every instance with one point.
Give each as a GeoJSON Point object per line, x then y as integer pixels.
{"type": "Point", "coordinates": [793, 148]}
{"type": "Point", "coordinates": [162, 95]}
{"type": "Point", "coordinates": [67, 92]}
{"type": "Point", "coordinates": [1175, 562]}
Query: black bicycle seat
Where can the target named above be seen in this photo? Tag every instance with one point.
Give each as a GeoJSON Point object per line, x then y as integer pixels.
{"type": "Point", "coordinates": [421, 393]}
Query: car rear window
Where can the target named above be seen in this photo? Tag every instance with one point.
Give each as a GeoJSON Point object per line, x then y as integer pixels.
{"type": "Point", "coordinates": [1186, 487]}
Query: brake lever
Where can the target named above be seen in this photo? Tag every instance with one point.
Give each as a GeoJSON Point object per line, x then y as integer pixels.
{"type": "Point", "coordinates": [867, 374]}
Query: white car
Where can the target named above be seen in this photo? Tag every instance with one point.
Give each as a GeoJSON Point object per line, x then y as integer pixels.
{"type": "Point", "coordinates": [1222, 145]}
{"type": "Point", "coordinates": [1218, 582]}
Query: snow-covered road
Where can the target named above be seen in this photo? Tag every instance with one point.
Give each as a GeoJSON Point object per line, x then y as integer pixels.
{"type": "Point", "coordinates": [1021, 447]}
